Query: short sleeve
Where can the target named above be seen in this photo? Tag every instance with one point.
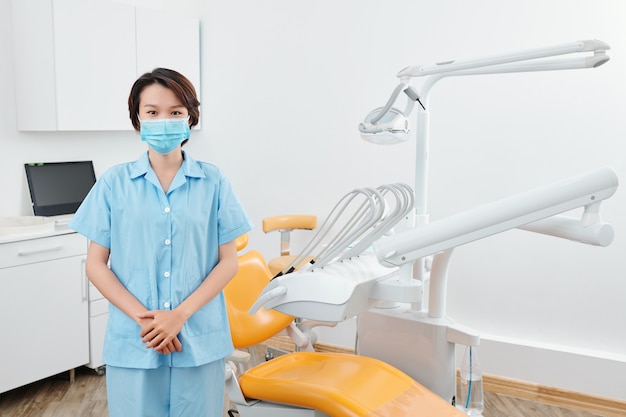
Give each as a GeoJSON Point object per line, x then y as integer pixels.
{"type": "Point", "coordinates": [232, 218]}
{"type": "Point", "coordinates": [93, 217]}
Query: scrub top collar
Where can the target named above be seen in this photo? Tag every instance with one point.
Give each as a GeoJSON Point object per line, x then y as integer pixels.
{"type": "Point", "coordinates": [189, 169]}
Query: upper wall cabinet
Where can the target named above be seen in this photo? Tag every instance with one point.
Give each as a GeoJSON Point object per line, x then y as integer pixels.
{"type": "Point", "coordinates": [76, 60]}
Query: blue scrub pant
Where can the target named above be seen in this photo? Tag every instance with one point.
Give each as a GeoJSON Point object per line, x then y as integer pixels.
{"type": "Point", "coordinates": [166, 392]}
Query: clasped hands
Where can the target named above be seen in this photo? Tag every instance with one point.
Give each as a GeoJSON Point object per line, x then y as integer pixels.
{"type": "Point", "coordinates": [160, 329]}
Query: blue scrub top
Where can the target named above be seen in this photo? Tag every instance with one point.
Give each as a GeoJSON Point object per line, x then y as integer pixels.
{"type": "Point", "coordinates": [162, 247]}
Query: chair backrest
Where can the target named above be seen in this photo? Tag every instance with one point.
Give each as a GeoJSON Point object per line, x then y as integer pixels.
{"type": "Point", "coordinates": [241, 292]}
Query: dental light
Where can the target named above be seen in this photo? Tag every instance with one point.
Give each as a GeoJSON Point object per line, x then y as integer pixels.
{"type": "Point", "coordinates": [388, 125]}
{"type": "Point", "coordinates": [425, 328]}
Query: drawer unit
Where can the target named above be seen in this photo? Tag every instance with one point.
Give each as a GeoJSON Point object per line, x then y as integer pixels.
{"type": "Point", "coordinates": [30, 251]}
{"type": "Point", "coordinates": [98, 307]}
{"type": "Point", "coordinates": [44, 302]}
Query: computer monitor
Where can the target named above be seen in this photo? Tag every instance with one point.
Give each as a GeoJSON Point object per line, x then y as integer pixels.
{"type": "Point", "coordinates": [58, 188]}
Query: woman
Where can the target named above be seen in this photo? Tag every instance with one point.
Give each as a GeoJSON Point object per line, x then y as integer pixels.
{"type": "Point", "coordinates": [162, 235]}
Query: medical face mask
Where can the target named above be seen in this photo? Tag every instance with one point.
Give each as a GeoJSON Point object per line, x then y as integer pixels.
{"type": "Point", "coordinates": [164, 135]}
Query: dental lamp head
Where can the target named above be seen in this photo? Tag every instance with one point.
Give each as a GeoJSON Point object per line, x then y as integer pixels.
{"type": "Point", "coordinates": [393, 127]}
{"type": "Point", "coordinates": [387, 125]}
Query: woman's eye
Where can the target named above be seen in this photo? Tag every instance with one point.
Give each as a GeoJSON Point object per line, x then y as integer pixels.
{"type": "Point", "coordinates": [176, 113]}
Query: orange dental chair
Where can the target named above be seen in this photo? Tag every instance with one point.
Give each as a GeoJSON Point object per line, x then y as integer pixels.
{"type": "Point", "coordinates": [311, 384]}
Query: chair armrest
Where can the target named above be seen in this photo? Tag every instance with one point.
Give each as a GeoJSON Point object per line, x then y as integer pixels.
{"type": "Point", "coordinates": [239, 356]}
{"type": "Point", "coordinates": [290, 222]}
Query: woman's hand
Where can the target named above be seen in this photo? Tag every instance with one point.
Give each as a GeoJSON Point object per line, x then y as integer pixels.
{"type": "Point", "coordinates": [109, 285]}
{"type": "Point", "coordinates": [163, 326]}
{"type": "Point", "coordinates": [160, 329]}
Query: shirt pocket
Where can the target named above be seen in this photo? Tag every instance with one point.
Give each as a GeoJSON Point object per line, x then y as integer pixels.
{"type": "Point", "coordinates": [120, 326]}
{"type": "Point", "coordinates": [138, 284]}
{"type": "Point", "coordinates": [209, 319]}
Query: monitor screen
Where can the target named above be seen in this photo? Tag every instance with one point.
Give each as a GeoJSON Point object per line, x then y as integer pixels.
{"type": "Point", "coordinates": [58, 188]}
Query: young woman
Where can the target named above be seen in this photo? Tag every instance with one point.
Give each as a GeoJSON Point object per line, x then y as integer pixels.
{"type": "Point", "coordinates": [162, 235]}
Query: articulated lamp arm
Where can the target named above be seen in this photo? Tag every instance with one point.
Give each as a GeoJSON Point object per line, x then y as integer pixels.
{"type": "Point", "coordinates": [598, 58]}
{"type": "Point", "coordinates": [388, 125]}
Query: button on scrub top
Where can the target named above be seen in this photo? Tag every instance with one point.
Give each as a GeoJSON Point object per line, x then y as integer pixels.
{"type": "Point", "coordinates": [162, 247]}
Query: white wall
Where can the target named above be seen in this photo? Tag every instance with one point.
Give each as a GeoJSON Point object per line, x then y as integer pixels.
{"type": "Point", "coordinates": [284, 85]}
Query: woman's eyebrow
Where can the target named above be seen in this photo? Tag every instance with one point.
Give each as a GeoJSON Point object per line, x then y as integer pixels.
{"type": "Point", "coordinates": [177, 106]}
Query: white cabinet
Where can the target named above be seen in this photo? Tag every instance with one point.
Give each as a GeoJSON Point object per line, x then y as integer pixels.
{"type": "Point", "coordinates": [76, 60]}
{"type": "Point", "coordinates": [95, 64]}
{"type": "Point", "coordinates": [43, 308]}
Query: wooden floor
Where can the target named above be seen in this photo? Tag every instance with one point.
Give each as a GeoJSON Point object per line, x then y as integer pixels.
{"type": "Point", "coordinates": [86, 397]}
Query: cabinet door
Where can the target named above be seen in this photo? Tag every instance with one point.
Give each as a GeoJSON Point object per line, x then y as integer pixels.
{"type": "Point", "coordinates": [95, 63]}
{"type": "Point", "coordinates": [33, 53]}
{"type": "Point", "coordinates": [44, 324]}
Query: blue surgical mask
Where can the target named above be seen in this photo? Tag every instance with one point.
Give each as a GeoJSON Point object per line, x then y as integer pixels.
{"type": "Point", "coordinates": [164, 135]}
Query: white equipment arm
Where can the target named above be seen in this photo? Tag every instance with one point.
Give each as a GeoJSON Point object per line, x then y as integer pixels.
{"type": "Point", "coordinates": [344, 289]}
{"type": "Point", "coordinates": [598, 58]}
{"type": "Point", "coordinates": [583, 191]}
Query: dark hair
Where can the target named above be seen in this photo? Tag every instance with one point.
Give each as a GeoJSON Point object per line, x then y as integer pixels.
{"type": "Point", "coordinates": [168, 78]}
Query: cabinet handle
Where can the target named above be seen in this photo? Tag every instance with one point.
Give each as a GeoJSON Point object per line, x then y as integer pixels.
{"type": "Point", "coordinates": [84, 280]}
{"type": "Point", "coordinates": [38, 251]}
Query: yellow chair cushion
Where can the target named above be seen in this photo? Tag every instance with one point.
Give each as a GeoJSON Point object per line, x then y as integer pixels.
{"type": "Point", "coordinates": [241, 292]}
{"type": "Point", "coordinates": [342, 385]}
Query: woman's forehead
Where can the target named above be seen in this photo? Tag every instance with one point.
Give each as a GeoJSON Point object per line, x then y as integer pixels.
{"type": "Point", "coordinates": [156, 95]}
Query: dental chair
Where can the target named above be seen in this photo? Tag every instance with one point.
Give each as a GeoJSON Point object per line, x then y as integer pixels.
{"type": "Point", "coordinates": [241, 292]}
{"type": "Point", "coordinates": [311, 384]}
{"type": "Point", "coordinates": [252, 276]}
{"type": "Point", "coordinates": [286, 224]}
